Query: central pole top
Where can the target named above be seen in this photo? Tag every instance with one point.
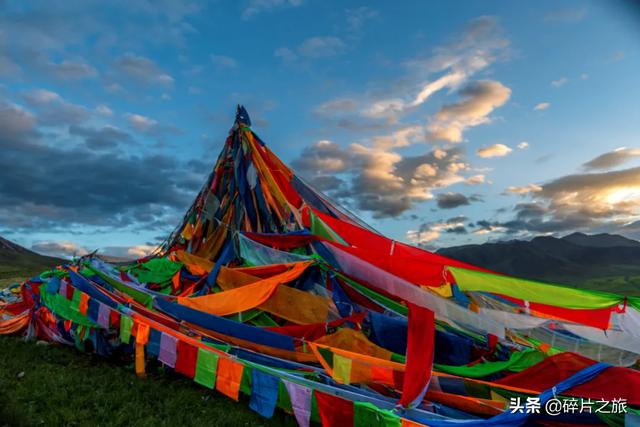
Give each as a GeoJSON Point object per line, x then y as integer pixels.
{"type": "Point", "coordinates": [242, 117]}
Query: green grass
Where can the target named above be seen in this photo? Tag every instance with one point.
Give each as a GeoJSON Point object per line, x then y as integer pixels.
{"type": "Point", "coordinates": [8, 277]}
{"type": "Point", "coordinates": [62, 386]}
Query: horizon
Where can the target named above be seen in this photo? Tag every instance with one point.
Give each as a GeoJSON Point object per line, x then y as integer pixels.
{"type": "Point", "coordinates": [475, 123]}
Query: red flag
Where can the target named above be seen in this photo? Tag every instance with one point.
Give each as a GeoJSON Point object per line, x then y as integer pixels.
{"type": "Point", "coordinates": [419, 355]}
{"type": "Point", "coordinates": [333, 410]}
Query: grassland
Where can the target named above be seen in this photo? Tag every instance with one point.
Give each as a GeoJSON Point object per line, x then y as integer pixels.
{"type": "Point", "coordinates": [52, 385]}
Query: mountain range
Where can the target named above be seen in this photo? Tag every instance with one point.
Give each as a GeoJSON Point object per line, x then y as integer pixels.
{"type": "Point", "coordinates": [599, 261]}
{"type": "Point", "coordinates": [607, 262]}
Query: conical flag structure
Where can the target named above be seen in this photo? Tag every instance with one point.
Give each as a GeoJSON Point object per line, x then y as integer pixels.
{"type": "Point", "coordinates": [268, 288]}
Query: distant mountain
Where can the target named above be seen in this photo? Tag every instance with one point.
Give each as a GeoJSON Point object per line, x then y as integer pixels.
{"type": "Point", "coordinates": [600, 261]}
{"type": "Point", "coordinates": [602, 240]}
{"type": "Point", "coordinates": [18, 262]}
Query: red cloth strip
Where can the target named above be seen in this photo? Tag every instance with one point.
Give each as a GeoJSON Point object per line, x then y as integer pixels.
{"type": "Point", "coordinates": [333, 410]}
{"type": "Point", "coordinates": [316, 330]}
{"type": "Point", "coordinates": [598, 318]}
{"type": "Point", "coordinates": [420, 344]}
{"type": "Point", "coordinates": [279, 241]}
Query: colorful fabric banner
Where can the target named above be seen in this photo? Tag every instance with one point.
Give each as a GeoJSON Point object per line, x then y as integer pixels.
{"type": "Point", "coordinates": [420, 340]}
{"type": "Point", "coordinates": [366, 414]}
{"type": "Point", "coordinates": [126, 323]}
{"type": "Point", "coordinates": [529, 290]}
{"type": "Point", "coordinates": [229, 377]}
{"type": "Point", "coordinates": [206, 366]}
{"type": "Point", "coordinates": [560, 367]}
{"type": "Point", "coordinates": [244, 298]}
{"type": "Point", "coordinates": [84, 303]}
{"type": "Point", "coordinates": [153, 346]}
{"type": "Point", "coordinates": [264, 392]}
{"type": "Point", "coordinates": [517, 362]}
{"type": "Point", "coordinates": [186, 359]}
{"type": "Point", "coordinates": [142, 334]}
{"type": "Point", "coordinates": [63, 288]}
{"type": "Point", "coordinates": [103, 316]}
{"type": "Point", "coordinates": [168, 355]}
{"type": "Point", "coordinates": [333, 410]}
{"type": "Point", "coordinates": [300, 397]}
{"type": "Point", "coordinates": [296, 306]}
{"type": "Point", "coordinates": [140, 368]}
{"type": "Point", "coordinates": [341, 369]}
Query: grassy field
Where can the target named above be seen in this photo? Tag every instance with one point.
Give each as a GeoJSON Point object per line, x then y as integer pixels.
{"type": "Point", "coordinates": [54, 385]}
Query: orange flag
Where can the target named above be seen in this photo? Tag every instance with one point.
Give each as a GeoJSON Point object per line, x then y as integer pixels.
{"type": "Point", "coordinates": [246, 297]}
{"type": "Point", "coordinates": [229, 377]}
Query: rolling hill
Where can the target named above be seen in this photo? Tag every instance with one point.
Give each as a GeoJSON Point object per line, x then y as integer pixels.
{"type": "Point", "coordinates": [600, 261]}
{"type": "Point", "coordinates": [17, 262]}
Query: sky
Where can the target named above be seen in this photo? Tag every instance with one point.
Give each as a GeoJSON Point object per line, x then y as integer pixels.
{"type": "Point", "coordinates": [439, 123]}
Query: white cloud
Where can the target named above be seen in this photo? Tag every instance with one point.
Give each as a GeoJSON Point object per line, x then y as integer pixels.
{"type": "Point", "coordinates": [560, 82]}
{"type": "Point", "coordinates": [618, 55]}
{"type": "Point", "coordinates": [321, 47]}
{"type": "Point", "coordinates": [479, 99]}
{"type": "Point", "coordinates": [566, 15]}
{"type": "Point", "coordinates": [141, 123]}
{"type": "Point", "coordinates": [143, 70]}
{"type": "Point", "coordinates": [370, 175]}
{"type": "Point", "coordinates": [113, 88]}
{"type": "Point", "coordinates": [473, 51]}
{"type": "Point", "coordinates": [318, 47]}
{"type": "Point", "coordinates": [523, 145]}
{"type": "Point", "coordinates": [542, 106]}
{"type": "Point", "coordinates": [402, 137]}
{"type": "Point", "coordinates": [430, 232]}
{"type": "Point", "coordinates": [71, 70]}
{"type": "Point", "coordinates": [41, 97]}
{"type": "Point", "coordinates": [53, 110]}
{"type": "Point", "coordinates": [495, 150]}
{"type": "Point", "coordinates": [421, 237]}
{"type": "Point", "coordinates": [285, 54]}
{"type": "Point", "coordinates": [356, 18]}
{"type": "Point", "coordinates": [612, 159]}
{"type": "Point", "coordinates": [336, 107]}
{"type": "Point", "coordinates": [58, 248]}
{"type": "Point", "coordinates": [531, 188]}
{"type": "Point", "coordinates": [475, 180]}
{"type": "Point", "coordinates": [104, 110]}
{"type": "Point", "coordinates": [255, 7]}
{"type": "Point", "coordinates": [223, 61]}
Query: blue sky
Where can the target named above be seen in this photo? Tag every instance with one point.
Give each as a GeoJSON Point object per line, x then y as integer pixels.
{"type": "Point", "coordinates": [438, 123]}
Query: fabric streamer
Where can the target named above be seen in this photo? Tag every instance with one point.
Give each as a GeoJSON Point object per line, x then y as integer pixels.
{"type": "Point", "coordinates": [300, 397]}
{"type": "Point", "coordinates": [229, 378]}
{"type": "Point", "coordinates": [366, 414]}
{"type": "Point", "coordinates": [245, 297]}
{"type": "Point", "coordinates": [420, 339]}
{"type": "Point", "coordinates": [334, 411]}
{"type": "Point", "coordinates": [187, 356]}
{"type": "Point", "coordinates": [153, 345]}
{"type": "Point", "coordinates": [206, 367]}
{"type": "Point", "coordinates": [103, 316]}
{"type": "Point", "coordinates": [126, 323]}
{"type": "Point", "coordinates": [264, 393]}
{"type": "Point", "coordinates": [140, 368]}
{"type": "Point", "coordinates": [168, 355]}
